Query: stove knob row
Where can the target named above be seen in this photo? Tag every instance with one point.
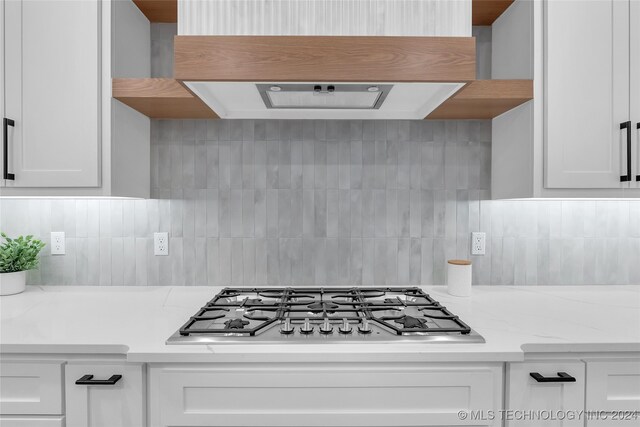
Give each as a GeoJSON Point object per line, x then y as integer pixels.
{"type": "Point", "coordinates": [326, 328]}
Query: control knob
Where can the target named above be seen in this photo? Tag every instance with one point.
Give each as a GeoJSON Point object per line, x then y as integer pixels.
{"type": "Point", "coordinates": [326, 327]}
{"type": "Point", "coordinates": [306, 328]}
{"type": "Point", "coordinates": [286, 327]}
{"type": "Point", "coordinates": [364, 327]}
{"type": "Point", "coordinates": [346, 327]}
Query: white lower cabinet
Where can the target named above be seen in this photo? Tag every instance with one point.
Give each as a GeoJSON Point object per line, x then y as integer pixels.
{"type": "Point", "coordinates": [30, 387]}
{"type": "Point", "coordinates": [345, 395]}
{"type": "Point", "coordinates": [613, 392]}
{"type": "Point", "coordinates": [105, 400]}
{"type": "Point", "coordinates": [99, 392]}
{"type": "Point", "coordinates": [551, 394]}
{"type": "Point", "coordinates": [31, 421]}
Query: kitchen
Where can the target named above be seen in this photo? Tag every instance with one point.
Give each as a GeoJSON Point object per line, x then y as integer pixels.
{"type": "Point", "coordinates": [248, 221]}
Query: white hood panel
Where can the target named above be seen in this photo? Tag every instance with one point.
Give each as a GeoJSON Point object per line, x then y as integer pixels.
{"type": "Point", "coordinates": [446, 18]}
{"type": "Point", "coordinates": [241, 100]}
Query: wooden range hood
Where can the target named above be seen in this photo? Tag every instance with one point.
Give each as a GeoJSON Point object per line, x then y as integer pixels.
{"type": "Point", "coordinates": [320, 59]}
{"type": "Point", "coordinates": [231, 58]}
{"type": "Point", "coordinates": [420, 72]}
{"type": "Point", "coordinates": [325, 58]}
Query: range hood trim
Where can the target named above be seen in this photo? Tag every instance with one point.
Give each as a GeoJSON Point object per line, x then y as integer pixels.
{"type": "Point", "coordinates": [241, 100]}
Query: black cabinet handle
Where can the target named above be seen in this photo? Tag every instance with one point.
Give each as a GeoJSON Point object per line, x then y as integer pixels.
{"type": "Point", "coordinates": [88, 380]}
{"type": "Point", "coordinates": [562, 377]}
{"type": "Point", "coordinates": [638, 127]}
{"type": "Point", "coordinates": [5, 148]}
{"type": "Point", "coordinates": [627, 126]}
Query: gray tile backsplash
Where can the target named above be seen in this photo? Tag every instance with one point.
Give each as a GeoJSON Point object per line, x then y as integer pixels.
{"type": "Point", "coordinates": [327, 202]}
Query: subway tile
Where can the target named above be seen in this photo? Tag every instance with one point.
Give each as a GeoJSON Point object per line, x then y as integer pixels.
{"type": "Point", "coordinates": [129, 261]}
{"type": "Point", "coordinates": [404, 256]}
{"type": "Point", "coordinates": [295, 255]}
{"type": "Point", "coordinates": [237, 257]}
{"type": "Point", "coordinates": [296, 165]}
{"type": "Point", "coordinates": [261, 262]}
{"type": "Point", "coordinates": [70, 262]}
{"type": "Point", "coordinates": [235, 165]}
{"type": "Point", "coordinates": [176, 262]}
{"type": "Point", "coordinates": [333, 175]}
{"type": "Point", "coordinates": [141, 266]}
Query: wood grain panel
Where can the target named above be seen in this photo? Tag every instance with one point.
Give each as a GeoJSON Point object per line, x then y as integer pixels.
{"type": "Point", "coordinates": [159, 10]}
{"type": "Point", "coordinates": [484, 12]}
{"type": "Point", "coordinates": [485, 99]}
{"type": "Point", "coordinates": [321, 58]}
{"type": "Point", "coordinates": [160, 98]}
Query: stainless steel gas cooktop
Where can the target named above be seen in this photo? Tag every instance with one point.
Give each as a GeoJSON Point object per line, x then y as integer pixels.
{"type": "Point", "coordinates": [323, 315]}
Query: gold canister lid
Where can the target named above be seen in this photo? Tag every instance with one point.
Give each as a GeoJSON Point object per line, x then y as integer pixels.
{"type": "Point", "coordinates": [459, 262]}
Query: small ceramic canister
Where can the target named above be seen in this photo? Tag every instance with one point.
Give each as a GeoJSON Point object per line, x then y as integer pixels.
{"type": "Point", "coordinates": [459, 277]}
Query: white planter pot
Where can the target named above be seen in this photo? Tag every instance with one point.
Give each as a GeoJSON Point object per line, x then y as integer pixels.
{"type": "Point", "coordinates": [13, 283]}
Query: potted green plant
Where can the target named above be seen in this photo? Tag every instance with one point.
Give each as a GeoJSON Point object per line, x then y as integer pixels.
{"type": "Point", "coordinates": [16, 257]}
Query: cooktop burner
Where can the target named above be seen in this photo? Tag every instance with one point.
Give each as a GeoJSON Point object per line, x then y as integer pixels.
{"type": "Point", "coordinates": [276, 315]}
{"type": "Point", "coordinates": [411, 322]}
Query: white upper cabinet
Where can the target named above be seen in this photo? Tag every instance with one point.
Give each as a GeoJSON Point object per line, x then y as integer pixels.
{"type": "Point", "coordinates": [52, 92]}
{"type": "Point", "coordinates": [587, 93]}
{"type": "Point", "coordinates": [64, 134]}
{"type": "Point", "coordinates": [572, 139]}
{"type": "Point", "coordinates": [634, 100]}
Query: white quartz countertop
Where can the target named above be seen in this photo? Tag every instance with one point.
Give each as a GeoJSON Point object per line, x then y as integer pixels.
{"type": "Point", "coordinates": [134, 322]}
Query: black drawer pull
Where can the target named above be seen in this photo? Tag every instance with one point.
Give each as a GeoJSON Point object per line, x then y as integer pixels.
{"type": "Point", "coordinates": [5, 148]}
{"type": "Point", "coordinates": [562, 377]}
{"type": "Point", "coordinates": [88, 380]}
{"type": "Point", "coordinates": [627, 126]}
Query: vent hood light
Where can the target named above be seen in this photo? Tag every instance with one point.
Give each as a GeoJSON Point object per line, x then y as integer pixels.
{"type": "Point", "coordinates": [315, 96]}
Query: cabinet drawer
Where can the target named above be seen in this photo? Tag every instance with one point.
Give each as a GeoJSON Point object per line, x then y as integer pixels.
{"type": "Point", "coordinates": [31, 388]}
{"type": "Point", "coordinates": [349, 396]}
{"type": "Point", "coordinates": [528, 395]}
{"type": "Point", "coordinates": [613, 386]}
{"type": "Point", "coordinates": [26, 421]}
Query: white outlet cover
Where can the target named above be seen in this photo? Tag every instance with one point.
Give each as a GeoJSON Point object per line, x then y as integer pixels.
{"type": "Point", "coordinates": [58, 243]}
{"type": "Point", "coordinates": [478, 243]}
{"type": "Point", "coordinates": [161, 244]}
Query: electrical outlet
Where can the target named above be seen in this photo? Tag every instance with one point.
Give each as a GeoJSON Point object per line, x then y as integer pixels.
{"type": "Point", "coordinates": [478, 243]}
{"type": "Point", "coordinates": [58, 243]}
{"type": "Point", "coordinates": [161, 244]}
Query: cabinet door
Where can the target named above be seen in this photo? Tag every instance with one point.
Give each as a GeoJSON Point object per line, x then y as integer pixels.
{"type": "Point", "coordinates": [30, 387]}
{"type": "Point", "coordinates": [31, 421]}
{"type": "Point", "coordinates": [102, 405]}
{"type": "Point", "coordinates": [586, 92]}
{"type": "Point", "coordinates": [52, 92]}
{"type": "Point", "coordinates": [527, 395]}
{"type": "Point", "coordinates": [634, 10]}
{"type": "Point", "coordinates": [183, 396]}
{"type": "Point", "coordinates": [613, 392]}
